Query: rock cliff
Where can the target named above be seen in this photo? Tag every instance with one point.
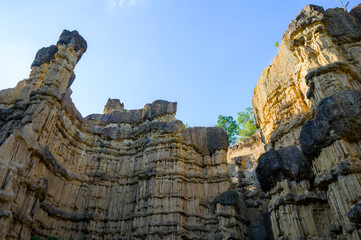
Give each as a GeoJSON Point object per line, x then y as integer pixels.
{"type": "Point", "coordinates": [124, 174]}
{"type": "Point", "coordinates": [140, 174]}
{"type": "Point", "coordinates": [308, 106]}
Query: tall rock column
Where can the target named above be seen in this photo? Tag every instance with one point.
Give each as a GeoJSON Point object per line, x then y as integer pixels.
{"type": "Point", "coordinates": [26, 110]}
{"type": "Point", "coordinates": [311, 150]}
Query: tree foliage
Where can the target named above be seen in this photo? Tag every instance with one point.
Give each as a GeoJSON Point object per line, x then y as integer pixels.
{"type": "Point", "coordinates": [230, 126]}
{"type": "Point", "coordinates": [237, 130]}
{"type": "Point", "coordinates": [246, 123]}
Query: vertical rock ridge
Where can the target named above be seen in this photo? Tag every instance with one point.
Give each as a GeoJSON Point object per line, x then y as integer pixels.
{"type": "Point", "coordinates": [307, 106]}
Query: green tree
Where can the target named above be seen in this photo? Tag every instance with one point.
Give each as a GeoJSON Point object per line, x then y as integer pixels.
{"type": "Point", "coordinates": [230, 126]}
{"type": "Point", "coordinates": [246, 124]}
{"type": "Point", "coordinates": [237, 130]}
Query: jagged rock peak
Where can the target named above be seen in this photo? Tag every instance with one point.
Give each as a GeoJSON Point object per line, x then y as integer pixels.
{"type": "Point", "coordinates": [308, 15]}
{"type": "Point", "coordinates": [113, 105]}
{"type": "Point", "coordinates": [46, 54]}
{"type": "Point", "coordinates": [75, 39]}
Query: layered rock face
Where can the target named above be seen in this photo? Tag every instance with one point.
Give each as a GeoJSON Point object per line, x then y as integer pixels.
{"type": "Point", "coordinates": [308, 105]}
{"type": "Point", "coordinates": [125, 174]}
{"type": "Point", "coordinates": [242, 163]}
{"type": "Point", "coordinates": [140, 174]}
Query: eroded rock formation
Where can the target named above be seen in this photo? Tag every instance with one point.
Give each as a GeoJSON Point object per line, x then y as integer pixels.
{"type": "Point", "coordinates": [140, 174]}
{"type": "Point", "coordinates": [307, 104]}
{"type": "Point", "coordinates": [125, 174]}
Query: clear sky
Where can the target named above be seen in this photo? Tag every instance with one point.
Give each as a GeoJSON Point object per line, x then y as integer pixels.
{"type": "Point", "coordinates": [205, 54]}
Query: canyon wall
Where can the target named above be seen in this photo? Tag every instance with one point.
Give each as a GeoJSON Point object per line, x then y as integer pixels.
{"type": "Point", "coordinates": [141, 174]}
{"type": "Point", "coordinates": [308, 106]}
{"type": "Point", "coordinates": [124, 174]}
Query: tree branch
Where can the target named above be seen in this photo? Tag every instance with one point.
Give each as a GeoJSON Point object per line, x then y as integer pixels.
{"type": "Point", "coordinates": [343, 6]}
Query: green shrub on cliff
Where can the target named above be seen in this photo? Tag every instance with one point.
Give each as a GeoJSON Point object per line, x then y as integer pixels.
{"type": "Point", "coordinates": [230, 126]}
{"type": "Point", "coordinates": [237, 130]}
{"type": "Point", "coordinates": [247, 124]}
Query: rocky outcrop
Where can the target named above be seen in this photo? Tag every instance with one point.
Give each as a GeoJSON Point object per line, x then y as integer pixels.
{"type": "Point", "coordinates": [307, 104]}
{"type": "Point", "coordinates": [125, 174]}
{"type": "Point", "coordinates": [113, 105]}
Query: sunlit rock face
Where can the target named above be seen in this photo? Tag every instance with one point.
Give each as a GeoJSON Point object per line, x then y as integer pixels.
{"type": "Point", "coordinates": [307, 104]}
{"type": "Point", "coordinates": [325, 46]}
{"type": "Point", "coordinates": [125, 174]}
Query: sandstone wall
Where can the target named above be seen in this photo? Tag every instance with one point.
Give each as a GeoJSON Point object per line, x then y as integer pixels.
{"type": "Point", "coordinates": [126, 174]}
{"type": "Point", "coordinates": [308, 105]}
{"type": "Point", "coordinates": [140, 174]}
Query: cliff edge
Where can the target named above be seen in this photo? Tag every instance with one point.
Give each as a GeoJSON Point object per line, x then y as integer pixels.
{"type": "Point", "coordinates": [124, 174]}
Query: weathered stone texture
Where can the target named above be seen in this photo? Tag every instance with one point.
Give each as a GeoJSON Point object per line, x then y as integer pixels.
{"type": "Point", "coordinates": [132, 174]}
{"type": "Point", "coordinates": [307, 104]}
{"type": "Point", "coordinates": [140, 174]}
{"type": "Point", "coordinates": [325, 46]}
{"type": "Point", "coordinates": [242, 163]}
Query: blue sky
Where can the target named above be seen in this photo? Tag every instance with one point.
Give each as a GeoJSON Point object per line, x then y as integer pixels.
{"type": "Point", "coordinates": [205, 54]}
